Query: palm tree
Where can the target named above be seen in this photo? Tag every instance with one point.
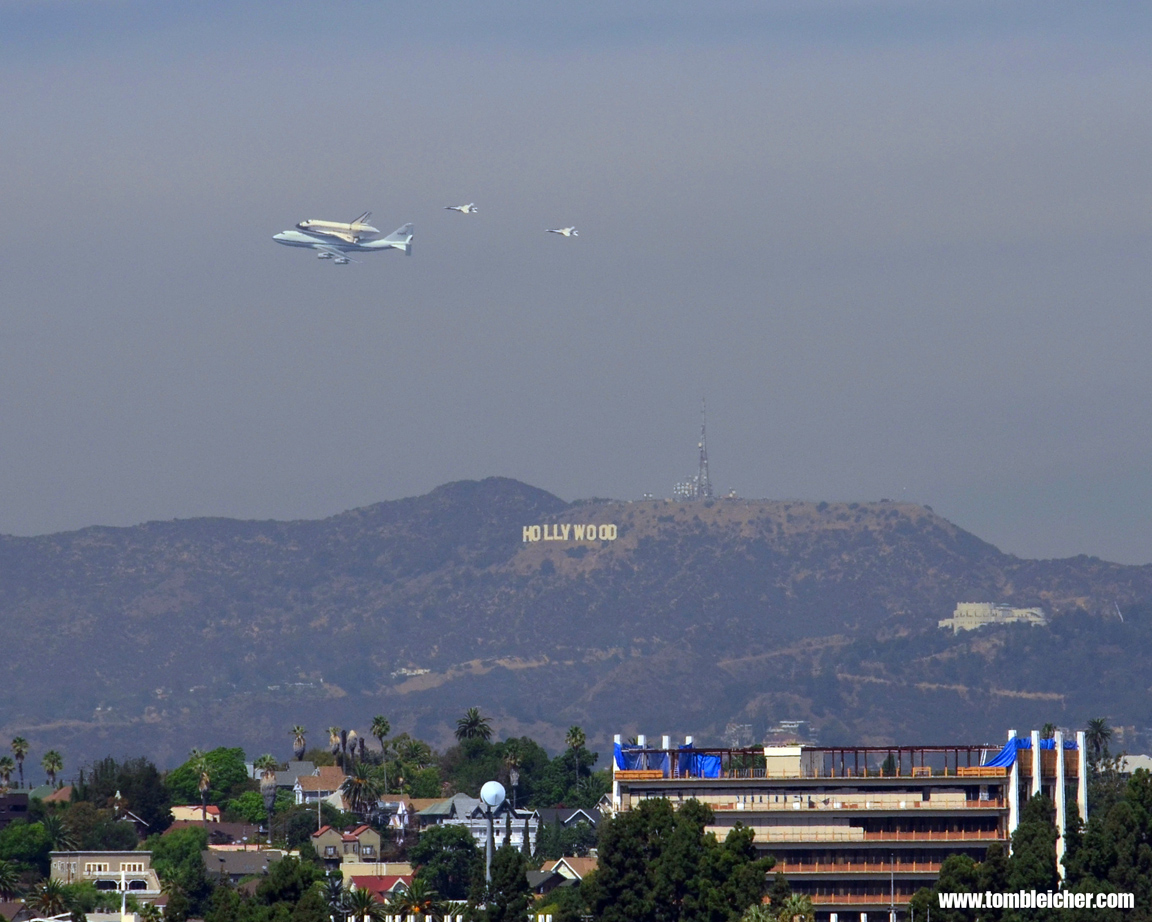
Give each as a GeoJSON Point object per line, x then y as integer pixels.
{"type": "Point", "coordinates": [363, 905]}
{"type": "Point", "coordinates": [381, 727]}
{"type": "Point", "coordinates": [9, 878]}
{"type": "Point", "coordinates": [298, 742]}
{"type": "Point", "coordinates": [201, 767]}
{"type": "Point", "coordinates": [1048, 731]}
{"type": "Point", "coordinates": [267, 766]}
{"type": "Point", "coordinates": [1096, 735]}
{"type": "Point", "coordinates": [52, 763]}
{"type": "Point", "coordinates": [472, 726]}
{"type": "Point", "coordinates": [335, 896]}
{"type": "Point", "coordinates": [49, 898]}
{"type": "Point", "coordinates": [360, 789]}
{"type": "Point", "coordinates": [7, 766]}
{"type": "Point", "coordinates": [759, 912]}
{"type": "Point", "coordinates": [417, 900]}
{"type": "Point", "coordinates": [575, 740]}
{"type": "Point", "coordinates": [349, 743]}
{"type": "Point", "coordinates": [415, 753]}
{"type": "Point", "coordinates": [150, 912]}
{"type": "Point", "coordinates": [797, 908]}
{"type": "Point", "coordinates": [334, 739]}
{"type": "Point", "coordinates": [59, 833]}
{"type": "Point", "coordinates": [20, 749]}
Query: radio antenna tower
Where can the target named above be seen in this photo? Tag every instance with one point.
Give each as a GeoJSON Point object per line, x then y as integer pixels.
{"type": "Point", "coordinates": [703, 484]}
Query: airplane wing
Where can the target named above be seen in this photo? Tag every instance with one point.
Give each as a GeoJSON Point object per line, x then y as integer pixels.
{"type": "Point", "coordinates": [336, 253]}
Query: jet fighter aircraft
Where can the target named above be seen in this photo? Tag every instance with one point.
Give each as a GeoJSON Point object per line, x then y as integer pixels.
{"type": "Point", "coordinates": [470, 208]}
{"type": "Point", "coordinates": [352, 232]}
{"type": "Point", "coordinates": [562, 231]}
{"type": "Point", "coordinates": [337, 250]}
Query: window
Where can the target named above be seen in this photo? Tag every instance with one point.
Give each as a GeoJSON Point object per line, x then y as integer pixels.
{"type": "Point", "coordinates": [96, 867]}
{"type": "Point", "coordinates": [366, 850]}
{"type": "Point", "coordinates": [132, 867]}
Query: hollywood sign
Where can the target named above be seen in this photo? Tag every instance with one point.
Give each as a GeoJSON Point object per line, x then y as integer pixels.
{"type": "Point", "coordinates": [569, 533]}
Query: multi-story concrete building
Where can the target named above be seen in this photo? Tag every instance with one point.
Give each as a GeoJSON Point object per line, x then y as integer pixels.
{"type": "Point", "coordinates": [860, 829]}
{"type": "Point", "coordinates": [119, 871]}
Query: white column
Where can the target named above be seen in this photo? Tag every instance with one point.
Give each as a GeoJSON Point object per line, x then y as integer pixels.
{"type": "Point", "coordinates": [642, 741]}
{"type": "Point", "coordinates": [1082, 776]}
{"type": "Point", "coordinates": [1014, 788]}
{"type": "Point", "coordinates": [615, 783]}
{"type": "Point", "coordinates": [1035, 762]}
{"type": "Point", "coordinates": [834, 917]}
{"type": "Point", "coordinates": [1061, 811]}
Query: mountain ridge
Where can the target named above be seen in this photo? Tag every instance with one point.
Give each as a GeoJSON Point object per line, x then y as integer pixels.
{"type": "Point", "coordinates": [205, 627]}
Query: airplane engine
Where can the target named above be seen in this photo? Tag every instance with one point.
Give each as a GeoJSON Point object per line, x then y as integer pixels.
{"type": "Point", "coordinates": [341, 261]}
{"type": "Point", "coordinates": [323, 255]}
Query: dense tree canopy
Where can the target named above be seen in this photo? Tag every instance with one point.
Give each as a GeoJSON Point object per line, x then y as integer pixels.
{"type": "Point", "coordinates": [447, 859]}
{"type": "Point", "coordinates": [227, 774]}
{"type": "Point", "coordinates": [658, 865]}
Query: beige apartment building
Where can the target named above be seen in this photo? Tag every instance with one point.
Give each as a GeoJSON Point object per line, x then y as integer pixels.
{"type": "Point", "coordinates": [116, 871]}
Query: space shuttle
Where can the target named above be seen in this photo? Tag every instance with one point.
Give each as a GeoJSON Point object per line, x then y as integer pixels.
{"type": "Point", "coordinates": [352, 232]}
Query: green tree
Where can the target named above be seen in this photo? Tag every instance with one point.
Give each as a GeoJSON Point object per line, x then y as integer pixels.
{"type": "Point", "coordinates": [9, 879]}
{"type": "Point", "coordinates": [575, 740]}
{"type": "Point", "coordinates": [249, 808]}
{"type": "Point", "coordinates": [381, 727]}
{"type": "Point", "coordinates": [797, 908]}
{"type": "Point", "coordinates": [779, 891]}
{"type": "Point", "coordinates": [299, 743]}
{"type": "Point", "coordinates": [363, 905]}
{"type": "Point", "coordinates": [227, 777]}
{"type": "Point", "coordinates": [1032, 865]}
{"type": "Point", "coordinates": [446, 858]}
{"type": "Point", "coordinates": [418, 900]}
{"type": "Point", "coordinates": [958, 874]}
{"type": "Point", "coordinates": [48, 898]}
{"type": "Point", "coordinates": [1096, 737]}
{"type": "Point", "coordinates": [360, 789]}
{"type": "Point", "coordinates": [508, 897]}
{"type": "Point", "coordinates": [26, 843]}
{"type": "Point", "coordinates": [7, 766]}
{"type": "Point", "coordinates": [287, 882]}
{"type": "Point", "coordinates": [659, 865]}
{"type": "Point", "coordinates": [473, 726]}
{"type": "Point", "coordinates": [60, 833]}
{"type": "Point", "coordinates": [137, 781]}
{"type": "Point", "coordinates": [53, 764]}
{"type": "Point", "coordinates": [19, 751]}
{"type": "Point", "coordinates": [176, 857]}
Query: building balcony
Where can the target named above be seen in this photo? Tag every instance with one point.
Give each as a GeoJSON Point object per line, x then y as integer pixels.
{"type": "Point", "coordinates": [938, 805]}
{"type": "Point", "coordinates": [859, 899]}
{"type": "Point", "coordinates": [857, 867]}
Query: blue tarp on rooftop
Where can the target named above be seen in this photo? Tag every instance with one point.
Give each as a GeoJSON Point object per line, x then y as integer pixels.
{"type": "Point", "coordinates": [1007, 756]}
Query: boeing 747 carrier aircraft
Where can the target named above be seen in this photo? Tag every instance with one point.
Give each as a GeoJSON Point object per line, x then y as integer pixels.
{"type": "Point", "coordinates": [335, 241]}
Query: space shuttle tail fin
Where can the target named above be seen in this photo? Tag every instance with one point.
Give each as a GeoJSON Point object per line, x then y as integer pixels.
{"type": "Point", "coordinates": [363, 219]}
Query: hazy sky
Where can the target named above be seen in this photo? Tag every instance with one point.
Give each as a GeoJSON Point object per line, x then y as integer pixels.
{"type": "Point", "coordinates": [903, 248]}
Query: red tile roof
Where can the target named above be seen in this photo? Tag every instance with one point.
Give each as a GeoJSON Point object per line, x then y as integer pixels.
{"type": "Point", "coordinates": [381, 884]}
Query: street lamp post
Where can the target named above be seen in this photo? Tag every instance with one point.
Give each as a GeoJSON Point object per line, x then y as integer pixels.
{"type": "Point", "coordinates": [492, 795]}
